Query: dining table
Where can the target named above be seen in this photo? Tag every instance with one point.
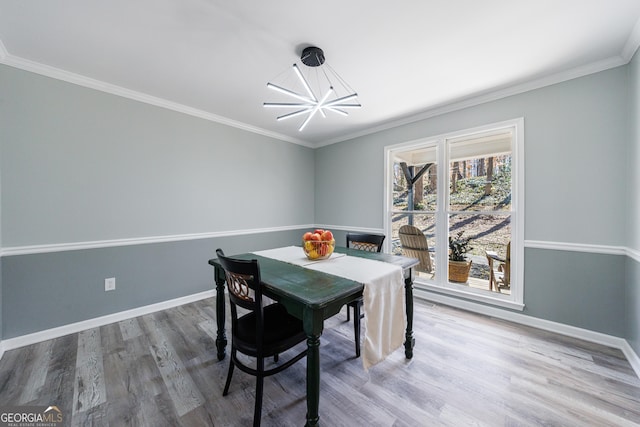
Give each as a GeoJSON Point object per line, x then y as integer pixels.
{"type": "Point", "coordinates": [313, 296]}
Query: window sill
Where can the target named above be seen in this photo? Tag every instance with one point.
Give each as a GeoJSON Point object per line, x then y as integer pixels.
{"type": "Point", "coordinates": [442, 294]}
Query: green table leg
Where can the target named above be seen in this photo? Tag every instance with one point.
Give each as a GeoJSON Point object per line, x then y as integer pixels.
{"type": "Point", "coordinates": [221, 335]}
{"type": "Point", "coordinates": [409, 341]}
{"type": "Point", "coordinates": [313, 325]}
{"type": "Point", "coordinates": [313, 380]}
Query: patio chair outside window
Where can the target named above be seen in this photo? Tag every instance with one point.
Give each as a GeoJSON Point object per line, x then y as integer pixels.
{"type": "Point", "coordinates": [414, 245]}
{"type": "Point", "coordinates": [499, 270]}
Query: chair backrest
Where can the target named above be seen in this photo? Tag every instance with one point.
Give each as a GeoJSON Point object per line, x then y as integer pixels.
{"type": "Point", "coordinates": [414, 244]}
{"type": "Point", "coordinates": [245, 289]}
{"type": "Point", "coordinates": [365, 242]}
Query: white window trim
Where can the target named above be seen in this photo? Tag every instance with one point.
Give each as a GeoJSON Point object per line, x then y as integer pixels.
{"type": "Point", "coordinates": [516, 299]}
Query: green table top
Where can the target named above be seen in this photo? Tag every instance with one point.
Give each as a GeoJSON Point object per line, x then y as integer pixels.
{"type": "Point", "coordinates": [314, 289]}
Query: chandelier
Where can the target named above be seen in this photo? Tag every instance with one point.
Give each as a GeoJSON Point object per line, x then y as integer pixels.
{"type": "Point", "coordinates": [322, 90]}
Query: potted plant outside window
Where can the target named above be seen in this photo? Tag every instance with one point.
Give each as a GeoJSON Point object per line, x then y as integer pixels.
{"type": "Point", "coordinates": [459, 267]}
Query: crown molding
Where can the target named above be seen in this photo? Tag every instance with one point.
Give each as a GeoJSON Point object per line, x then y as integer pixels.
{"type": "Point", "coordinates": [88, 82]}
{"type": "Point", "coordinates": [3, 51]}
{"type": "Point", "coordinates": [632, 44]}
{"type": "Point", "coordinates": [488, 96]}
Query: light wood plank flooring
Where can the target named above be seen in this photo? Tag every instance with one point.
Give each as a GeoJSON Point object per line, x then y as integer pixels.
{"type": "Point", "coordinates": [161, 370]}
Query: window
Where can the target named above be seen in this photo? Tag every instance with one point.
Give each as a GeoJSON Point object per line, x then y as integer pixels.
{"type": "Point", "coordinates": [462, 187]}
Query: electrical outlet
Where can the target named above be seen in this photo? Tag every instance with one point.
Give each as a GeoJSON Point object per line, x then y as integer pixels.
{"type": "Point", "coordinates": [110, 284]}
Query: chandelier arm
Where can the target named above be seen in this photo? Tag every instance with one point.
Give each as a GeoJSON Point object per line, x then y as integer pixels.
{"type": "Point", "coordinates": [287, 104]}
{"type": "Point", "coordinates": [344, 105]}
{"type": "Point", "coordinates": [290, 93]}
{"type": "Point", "coordinates": [294, 114]}
{"type": "Point", "coordinates": [343, 99]}
{"type": "Point", "coordinates": [304, 83]}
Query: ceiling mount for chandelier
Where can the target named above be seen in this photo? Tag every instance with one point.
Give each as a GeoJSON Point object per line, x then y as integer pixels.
{"type": "Point", "coordinates": [321, 90]}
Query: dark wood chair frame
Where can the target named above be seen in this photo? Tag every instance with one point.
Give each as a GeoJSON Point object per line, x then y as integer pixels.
{"type": "Point", "coordinates": [369, 243]}
{"type": "Point", "coordinates": [265, 331]}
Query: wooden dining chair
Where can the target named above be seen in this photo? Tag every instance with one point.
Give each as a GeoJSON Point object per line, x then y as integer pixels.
{"type": "Point", "coordinates": [369, 243]}
{"type": "Point", "coordinates": [265, 331]}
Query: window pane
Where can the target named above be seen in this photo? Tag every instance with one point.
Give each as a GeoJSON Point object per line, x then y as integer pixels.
{"type": "Point", "coordinates": [418, 242]}
{"type": "Point", "coordinates": [488, 237]}
{"type": "Point", "coordinates": [415, 180]}
{"type": "Point", "coordinates": [479, 183]}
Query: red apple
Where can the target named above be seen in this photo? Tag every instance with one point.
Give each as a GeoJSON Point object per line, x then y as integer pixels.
{"type": "Point", "coordinates": [327, 236]}
{"type": "Point", "coordinates": [307, 236]}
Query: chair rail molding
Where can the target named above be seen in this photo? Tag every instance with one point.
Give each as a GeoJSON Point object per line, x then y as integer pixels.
{"type": "Point", "coordinates": [633, 254]}
{"type": "Point", "coordinates": [578, 247]}
{"type": "Point", "coordinates": [96, 244]}
{"type": "Point", "coordinates": [73, 246]}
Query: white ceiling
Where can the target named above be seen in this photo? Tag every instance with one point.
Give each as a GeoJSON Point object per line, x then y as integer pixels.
{"type": "Point", "coordinates": [406, 59]}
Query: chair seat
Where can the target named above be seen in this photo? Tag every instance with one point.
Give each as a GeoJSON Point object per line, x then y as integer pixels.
{"type": "Point", "coordinates": [280, 330]}
{"type": "Point", "coordinates": [262, 332]}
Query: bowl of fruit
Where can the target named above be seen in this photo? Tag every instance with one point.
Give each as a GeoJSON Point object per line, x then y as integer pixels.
{"type": "Point", "coordinates": [318, 244]}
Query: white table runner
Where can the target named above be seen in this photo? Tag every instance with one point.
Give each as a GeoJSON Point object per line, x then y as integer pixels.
{"type": "Point", "coordinates": [384, 296]}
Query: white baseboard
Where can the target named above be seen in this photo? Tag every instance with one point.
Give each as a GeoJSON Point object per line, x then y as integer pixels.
{"type": "Point", "coordinates": [572, 331]}
{"type": "Point", "coordinates": [36, 337]}
{"type": "Point", "coordinates": [547, 325]}
{"type": "Point", "coordinates": [632, 357]}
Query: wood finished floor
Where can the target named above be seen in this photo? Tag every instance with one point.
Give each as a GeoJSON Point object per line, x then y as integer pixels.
{"type": "Point", "coordinates": [160, 370]}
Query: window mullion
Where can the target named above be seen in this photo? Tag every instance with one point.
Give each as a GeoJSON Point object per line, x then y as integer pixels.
{"type": "Point", "coordinates": [442, 220]}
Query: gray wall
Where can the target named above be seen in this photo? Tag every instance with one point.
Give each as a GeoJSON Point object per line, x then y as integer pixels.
{"type": "Point", "coordinates": [633, 222]}
{"type": "Point", "coordinates": [633, 304]}
{"type": "Point", "coordinates": [633, 191]}
{"type": "Point", "coordinates": [44, 291]}
{"type": "Point", "coordinates": [79, 165]}
{"type": "Point", "coordinates": [576, 143]}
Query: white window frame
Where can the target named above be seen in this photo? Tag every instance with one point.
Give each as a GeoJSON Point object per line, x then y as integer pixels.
{"type": "Point", "coordinates": [441, 284]}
